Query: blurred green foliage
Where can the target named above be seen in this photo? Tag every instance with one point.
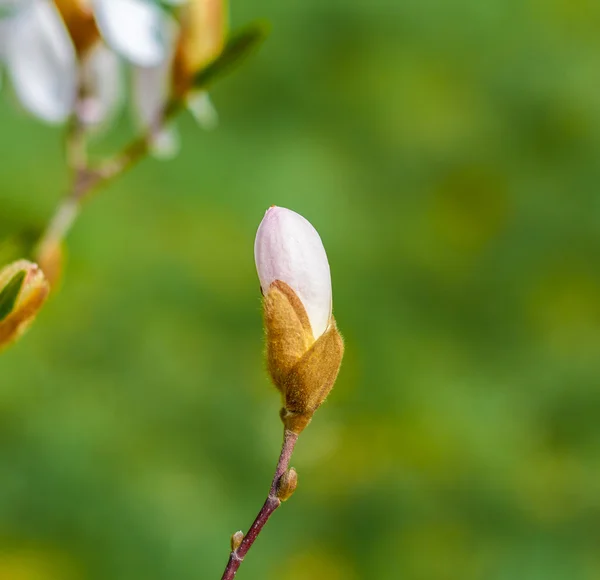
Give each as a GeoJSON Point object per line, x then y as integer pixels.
{"type": "Point", "coordinates": [448, 153]}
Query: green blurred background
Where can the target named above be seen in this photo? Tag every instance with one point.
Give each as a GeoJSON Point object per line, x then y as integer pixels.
{"type": "Point", "coordinates": [449, 155]}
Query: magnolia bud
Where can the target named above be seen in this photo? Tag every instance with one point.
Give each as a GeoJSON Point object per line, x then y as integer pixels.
{"type": "Point", "coordinates": [304, 347]}
{"type": "Point", "coordinates": [236, 540]}
{"type": "Point", "coordinates": [23, 290]}
{"type": "Point", "coordinates": [203, 27]}
{"type": "Point", "coordinates": [287, 484]}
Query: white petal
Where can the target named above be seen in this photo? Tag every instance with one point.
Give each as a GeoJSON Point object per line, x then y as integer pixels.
{"type": "Point", "coordinates": [202, 108]}
{"type": "Point", "coordinates": [152, 84]}
{"type": "Point", "coordinates": [150, 95]}
{"type": "Point", "coordinates": [41, 61]}
{"type": "Point", "coordinates": [136, 29]}
{"type": "Point", "coordinates": [4, 31]}
{"type": "Point", "coordinates": [289, 249]}
{"type": "Point", "coordinates": [165, 143]}
{"type": "Point", "coordinates": [101, 86]}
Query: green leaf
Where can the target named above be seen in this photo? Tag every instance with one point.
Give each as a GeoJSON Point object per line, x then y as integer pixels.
{"type": "Point", "coordinates": [239, 45]}
{"type": "Point", "coordinates": [10, 293]}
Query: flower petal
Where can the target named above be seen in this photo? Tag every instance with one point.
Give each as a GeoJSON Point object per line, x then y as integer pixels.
{"type": "Point", "coordinates": [41, 61]}
{"type": "Point", "coordinates": [32, 292]}
{"type": "Point", "coordinates": [101, 87]}
{"type": "Point", "coordinates": [150, 95]}
{"type": "Point", "coordinates": [4, 28]}
{"type": "Point", "coordinates": [203, 110]}
{"type": "Point", "coordinates": [9, 7]}
{"type": "Point", "coordinates": [288, 248]}
{"type": "Point", "coordinates": [165, 142]}
{"type": "Point", "coordinates": [136, 29]}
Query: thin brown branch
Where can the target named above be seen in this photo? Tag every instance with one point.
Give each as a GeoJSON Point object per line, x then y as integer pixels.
{"type": "Point", "coordinates": [271, 504]}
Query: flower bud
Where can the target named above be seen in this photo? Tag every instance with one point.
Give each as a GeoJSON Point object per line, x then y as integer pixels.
{"type": "Point", "coordinates": [304, 347]}
{"type": "Point", "coordinates": [23, 290]}
{"type": "Point", "coordinates": [202, 37]}
{"type": "Point", "coordinates": [236, 540]}
{"type": "Point", "coordinates": [287, 484]}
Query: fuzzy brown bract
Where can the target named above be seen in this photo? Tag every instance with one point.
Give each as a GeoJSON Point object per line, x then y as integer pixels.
{"type": "Point", "coordinates": [303, 369]}
{"type": "Point", "coordinates": [32, 295]}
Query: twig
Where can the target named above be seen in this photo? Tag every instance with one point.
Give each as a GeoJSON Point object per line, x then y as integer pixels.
{"type": "Point", "coordinates": [273, 502]}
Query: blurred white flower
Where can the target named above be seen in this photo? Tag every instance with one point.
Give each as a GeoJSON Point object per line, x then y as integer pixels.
{"type": "Point", "coordinates": [193, 44]}
{"type": "Point", "coordinates": [101, 87]}
{"type": "Point", "coordinates": [63, 56]}
{"type": "Point", "coordinates": [47, 72]}
{"type": "Point", "coordinates": [289, 249]}
{"type": "Point", "coordinates": [3, 36]}
{"type": "Point", "coordinates": [40, 58]}
{"type": "Point", "coordinates": [203, 110]}
{"type": "Point", "coordinates": [151, 92]}
{"type": "Point", "coordinates": [138, 30]}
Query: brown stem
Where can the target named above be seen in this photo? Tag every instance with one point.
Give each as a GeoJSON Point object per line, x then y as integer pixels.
{"type": "Point", "coordinates": [134, 152]}
{"type": "Point", "coordinates": [273, 502]}
{"type": "Point", "coordinates": [76, 145]}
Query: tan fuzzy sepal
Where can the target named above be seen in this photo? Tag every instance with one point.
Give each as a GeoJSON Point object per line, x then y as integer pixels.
{"type": "Point", "coordinates": [289, 335]}
{"type": "Point", "coordinates": [304, 370]}
{"type": "Point", "coordinates": [32, 296]}
{"type": "Point", "coordinates": [312, 378]}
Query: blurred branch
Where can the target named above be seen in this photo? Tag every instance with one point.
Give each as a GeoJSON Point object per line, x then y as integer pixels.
{"type": "Point", "coordinates": [87, 179]}
{"type": "Point", "coordinates": [76, 145]}
{"type": "Point", "coordinates": [134, 152]}
{"type": "Point", "coordinates": [273, 501]}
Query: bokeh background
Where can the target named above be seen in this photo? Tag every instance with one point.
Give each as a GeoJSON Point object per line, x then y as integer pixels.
{"type": "Point", "coordinates": [449, 155]}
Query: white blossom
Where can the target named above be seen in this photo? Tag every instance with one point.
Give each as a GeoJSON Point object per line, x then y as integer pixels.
{"type": "Point", "coordinates": [135, 29]}
{"type": "Point", "coordinates": [289, 249]}
{"type": "Point", "coordinates": [40, 59]}
{"type": "Point", "coordinates": [101, 87]}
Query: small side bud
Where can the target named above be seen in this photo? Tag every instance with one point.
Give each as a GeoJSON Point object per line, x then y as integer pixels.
{"type": "Point", "coordinates": [287, 484]}
{"type": "Point", "coordinates": [236, 540]}
{"type": "Point", "coordinates": [23, 290]}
